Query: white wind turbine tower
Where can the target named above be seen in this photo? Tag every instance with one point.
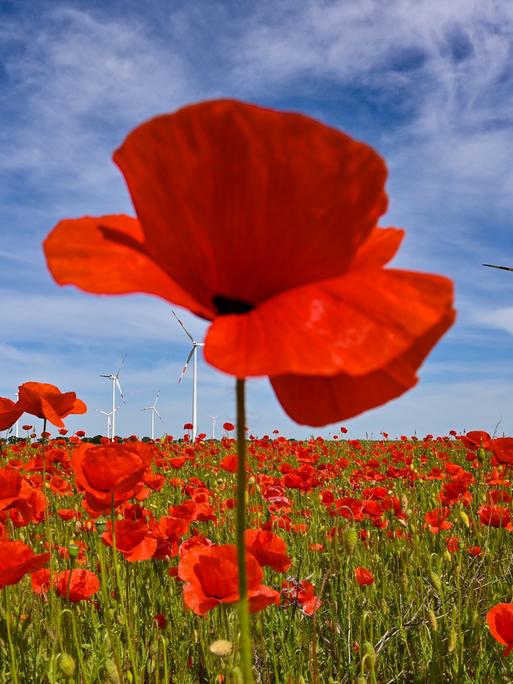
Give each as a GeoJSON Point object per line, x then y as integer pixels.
{"type": "Point", "coordinates": [109, 414]}
{"type": "Point", "coordinates": [154, 412]}
{"type": "Point", "coordinates": [17, 426]}
{"type": "Point", "coordinates": [192, 354]}
{"type": "Point", "coordinates": [213, 419]}
{"type": "Point", "coordinates": [115, 383]}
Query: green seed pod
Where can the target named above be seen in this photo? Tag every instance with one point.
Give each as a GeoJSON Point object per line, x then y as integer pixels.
{"type": "Point", "coordinates": [384, 607]}
{"type": "Point", "coordinates": [66, 665]}
{"type": "Point", "coordinates": [447, 556]}
{"type": "Point", "coordinates": [129, 676]}
{"type": "Point", "coordinates": [73, 550]}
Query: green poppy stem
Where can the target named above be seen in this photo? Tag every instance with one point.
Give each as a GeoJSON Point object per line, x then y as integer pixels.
{"type": "Point", "coordinates": [245, 638]}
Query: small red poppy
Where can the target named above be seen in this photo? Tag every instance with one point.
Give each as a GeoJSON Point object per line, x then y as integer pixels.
{"type": "Point", "coordinates": [363, 576]}
{"type": "Point", "coordinates": [228, 427]}
{"type": "Point", "coordinates": [268, 549]}
{"type": "Point", "coordinates": [110, 472]}
{"type": "Point", "coordinates": [211, 577]}
{"type": "Point", "coordinates": [81, 585]}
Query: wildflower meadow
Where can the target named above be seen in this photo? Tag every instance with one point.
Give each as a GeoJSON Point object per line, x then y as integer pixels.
{"type": "Point", "coordinates": [255, 558]}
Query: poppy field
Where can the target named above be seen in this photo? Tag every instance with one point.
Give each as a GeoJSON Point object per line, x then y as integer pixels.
{"type": "Point", "coordinates": [366, 561]}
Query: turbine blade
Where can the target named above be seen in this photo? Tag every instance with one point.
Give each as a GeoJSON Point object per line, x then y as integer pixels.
{"type": "Point", "coordinates": [104, 376]}
{"type": "Point", "coordinates": [502, 268]}
{"type": "Point", "coordinates": [184, 369]}
{"type": "Point", "coordinates": [183, 327]}
{"type": "Point", "coordinates": [156, 399]}
{"type": "Point", "coordinates": [157, 414]}
{"type": "Point", "coordinates": [120, 390]}
{"type": "Point", "coordinates": [121, 365]}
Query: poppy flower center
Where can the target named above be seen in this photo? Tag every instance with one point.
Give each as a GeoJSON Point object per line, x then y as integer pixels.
{"type": "Point", "coordinates": [226, 305]}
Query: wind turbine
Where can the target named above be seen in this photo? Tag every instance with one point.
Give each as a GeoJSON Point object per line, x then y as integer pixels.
{"type": "Point", "coordinates": [115, 383]}
{"type": "Point", "coordinates": [154, 412]}
{"type": "Point", "coordinates": [213, 418]}
{"type": "Point", "coordinates": [109, 414]}
{"type": "Point", "coordinates": [192, 354]}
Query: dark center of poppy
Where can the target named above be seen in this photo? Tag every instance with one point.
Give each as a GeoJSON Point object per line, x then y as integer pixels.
{"type": "Point", "coordinates": [226, 305]}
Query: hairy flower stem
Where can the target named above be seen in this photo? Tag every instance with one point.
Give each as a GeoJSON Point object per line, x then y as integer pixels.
{"type": "Point", "coordinates": [245, 638]}
{"type": "Point", "coordinates": [121, 594]}
{"type": "Point", "coordinates": [14, 669]}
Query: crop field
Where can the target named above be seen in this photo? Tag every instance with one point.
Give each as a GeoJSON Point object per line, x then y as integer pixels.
{"type": "Point", "coordinates": [367, 561]}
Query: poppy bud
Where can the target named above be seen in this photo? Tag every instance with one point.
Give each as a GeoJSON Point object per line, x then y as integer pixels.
{"type": "Point", "coordinates": [437, 581]}
{"type": "Point", "coordinates": [447, 556]}
{"type": "Point", "coordinates": [350, 539]}
{"type": "Point", "coordinates": [432, 620]}
{"type": "Point", "coordinates": [464, 518]}
{"type": "Point", "coordinates": [452, 640]}
{"type": "Point", "coordinates": [66, 665]}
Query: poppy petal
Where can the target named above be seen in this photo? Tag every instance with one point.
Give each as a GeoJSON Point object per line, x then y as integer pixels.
{"type": "Point", "coordinates": [355, 324]}
{"type": "Point", "coordinates": [105, 255]}
{"type": "Point", "coordinates": [318, 401]}
{"type": "Point", "coordinates": [228, 192]}
{"type": "Point", "coordinates": [9, 413]}
{"type": "Point", "coordinates": [379, 248]}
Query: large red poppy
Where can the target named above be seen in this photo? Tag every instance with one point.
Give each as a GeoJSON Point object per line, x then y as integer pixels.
{"type": "Point", "coordinates": [47, 401]}
{"type": "Point", "coordinates": [264, 223]}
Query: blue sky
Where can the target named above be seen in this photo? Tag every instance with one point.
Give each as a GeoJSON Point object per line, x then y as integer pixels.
{"type": "Point", "coordinates": [428, 83]}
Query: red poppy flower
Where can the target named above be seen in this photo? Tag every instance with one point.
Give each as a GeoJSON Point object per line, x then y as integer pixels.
{"type": "Point", "coordinates": [9, 413]}
{"type": "Point", "coordinates": [16, 559]}
{"type": "Point", "coordinates": [211, 577]}
{"type": "Point", "coordinates": [228, 427]}
{"type": "Point", "coordinates": [214, 185]}
{"type": "Point", "coordinates": [82, 584]}
{"type": "Point", "coordinates": [437, 520]}
{"type": "Point", "coordinates": [495, 516]}
{"type": "Point", "coordinates": [133, 539]}
{"type": "Point", "coordinates": [502, 449]}
{"type": "Point", "coordinates": [476, 439]}
{"type": "Point", "coordinates": [110, 472]}
{"type": "Point", "coordinates": [47, 401]}
{"type": "Point", "coordinates": [474, 550]}
{"type": "Point", "coordinates": [268, 549]}
{"type": "Point", "coordinates": [500, 623]}
{"type": "Point", "coordinates": [363, 576]}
